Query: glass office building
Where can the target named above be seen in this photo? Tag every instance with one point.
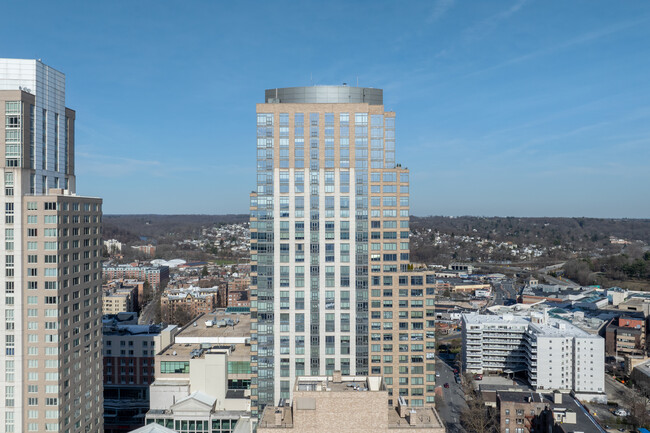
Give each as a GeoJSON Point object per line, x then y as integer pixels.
{"type": "Point", "coordinates": [330, 247]}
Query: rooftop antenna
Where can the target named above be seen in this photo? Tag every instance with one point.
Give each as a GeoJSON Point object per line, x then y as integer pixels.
{"type": "Point", "coordinates": [311, 78]}
{"type": "Point", "coordinates": [357, 81]}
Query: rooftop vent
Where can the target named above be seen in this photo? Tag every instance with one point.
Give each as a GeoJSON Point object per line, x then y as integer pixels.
{"type": "Point", "coordinates": [279, 415]}
{"type": "Point", "coordinates": [413, 417]}
{"type": "Point", "coordinates": [196, 353]}
{"type": "Point", "coordinates": [401, 406]}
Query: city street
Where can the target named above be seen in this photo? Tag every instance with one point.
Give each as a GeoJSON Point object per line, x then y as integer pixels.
{"type": "Point", "coordinates": [453, 398]}
{"type": "Point", "coordinates": [147, 314]}
{"type": "Point", "coordinates": [504, 290]}
{"type": "Point", "coordinates": [618, 393]}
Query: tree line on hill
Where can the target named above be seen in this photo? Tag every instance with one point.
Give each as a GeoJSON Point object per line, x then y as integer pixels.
{"type": "Point", "coordinates": [132, 228]}
{"type": "Point", "coordinates": [565, 238]}
{"type": "Point", "coordinates": [633, 264]}
{"type": "Point", "coordinates": [165, 231]}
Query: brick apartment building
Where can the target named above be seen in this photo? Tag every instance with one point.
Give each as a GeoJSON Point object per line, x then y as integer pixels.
{"type": "Point", "coordinates": [149, 250]}
{"type": "Point", "coordinates": [625, 335]}
{"type": "Point", "coordinates": [239, 298]}
{"type": "Point", "coordinates": [194, 300]}
{"type": "Point", "coordinates": [156, 276]}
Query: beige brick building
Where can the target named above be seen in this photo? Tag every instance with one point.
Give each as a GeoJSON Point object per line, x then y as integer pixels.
{"type": "Point", "coordinates": [345, 404]}
{"type": "Point", "coordinates": [120, 300]}
{"type": "Point", "coordinates": [52, 303]}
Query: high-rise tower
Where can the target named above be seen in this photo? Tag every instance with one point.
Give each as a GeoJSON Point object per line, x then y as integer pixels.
{"type": "Point", "coordinates": [51, 360]}
{"type": "Point", "coordinates": [330, 246]}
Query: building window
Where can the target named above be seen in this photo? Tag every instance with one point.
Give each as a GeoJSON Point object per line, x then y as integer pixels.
{"type": "Point", "coordinates": [174, 367]}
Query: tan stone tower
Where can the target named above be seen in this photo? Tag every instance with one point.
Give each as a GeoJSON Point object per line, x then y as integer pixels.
{"type": "Point", "coordinates": [332, 288]}
{"type": "Point", "coordinates": [51, 362]}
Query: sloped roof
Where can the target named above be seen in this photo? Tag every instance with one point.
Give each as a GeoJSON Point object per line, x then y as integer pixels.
{"type": "Point", "coordinates": [199, 396]}
{"type": "Point", "coordinates": [153, 428]}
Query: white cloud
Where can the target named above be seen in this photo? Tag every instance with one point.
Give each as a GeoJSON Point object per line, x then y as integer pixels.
{"type": "Point", "coordinates": [439, 9]}
{"type": "Point", "coordinates": [485, 27]}
{"type": "Point", "coordinates": [578, 40]}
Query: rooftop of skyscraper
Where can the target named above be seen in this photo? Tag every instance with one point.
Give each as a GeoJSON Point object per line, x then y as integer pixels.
{"type": "Point", "coordinates": [342, 94]}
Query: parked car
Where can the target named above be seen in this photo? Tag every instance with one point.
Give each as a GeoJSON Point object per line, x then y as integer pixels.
{"type": "Point", "coordinates": [478, 377]}
{"type": "Point", "coordinates": [446, 385]}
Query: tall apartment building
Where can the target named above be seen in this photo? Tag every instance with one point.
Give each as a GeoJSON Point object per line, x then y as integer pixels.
{"type": "Point", "coordinates": [52, 361]}
{"type": "Point", "coordinates": [552, 353]}
{"type": "Point", "coordinates": [331, 287]}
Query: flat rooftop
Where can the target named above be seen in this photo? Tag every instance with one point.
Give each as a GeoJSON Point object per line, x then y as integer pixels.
{"type": "Point", "coordinates": [118, 293]}
{"type": "Point", "coordinates": [481, 319]}
{"type": "Point", "coordinates": [552, 327]}
{"type": "Point", "coordinates": [268, 418]}
{"type": "Point", "coordinates": [560, 328]}
{"type": "Point", "coordinates": [637, 300]}
{"type": "Point", "coordinates": [520, 397]}
{"type": "Point", "coordinates": [644, 368]}
{"type": "Point", "coordinates": [184, 351]}
{"type": "Point", "coordinates": [346, 384]}
{"type": "Point", "coordinates": [217, 327]}
{"type": "Point", "coordinates": [145, 330]}
{"type": "Point", "coordinates": [427, 418]}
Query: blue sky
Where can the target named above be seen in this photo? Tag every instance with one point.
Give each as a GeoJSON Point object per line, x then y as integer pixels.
{"type": "Point", "coordinates": [524, 108]}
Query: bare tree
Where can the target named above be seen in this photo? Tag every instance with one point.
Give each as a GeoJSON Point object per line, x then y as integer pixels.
{"type": "Point", "coordinates": [178, 314]}
{"type": "Point", "coordinates": [469, 388]}
{"type": "Point", "coordinates": [157, 305]}
{"type": "Point", "coordinates": [640, 405]}
{"type": "Point", "coordinates": [147, 294]}
{"type": "Point", "coordinates": [479, 418]}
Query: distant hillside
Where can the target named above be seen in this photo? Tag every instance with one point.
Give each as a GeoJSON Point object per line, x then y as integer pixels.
{"type": "Point", "coordinates": [438, 239]}
{"type": "Point", "coordinates": [131, 228]}
{"type": "Point", "coordinates": [531, 230]}
{"type": "Point", "coordinates": [584, 243]}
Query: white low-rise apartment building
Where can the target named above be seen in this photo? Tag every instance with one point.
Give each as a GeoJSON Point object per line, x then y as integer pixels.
{"type": "Point", "coordinates": [554, 354]}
